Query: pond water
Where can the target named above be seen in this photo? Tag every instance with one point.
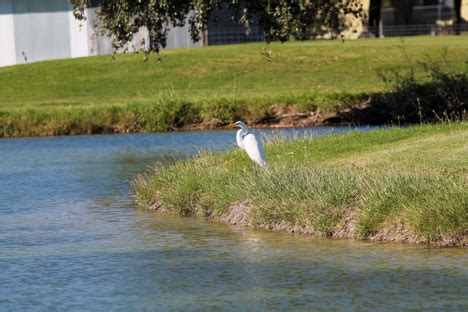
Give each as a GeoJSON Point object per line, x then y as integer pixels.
{"type": "Point", "coordinates": [71, 238]}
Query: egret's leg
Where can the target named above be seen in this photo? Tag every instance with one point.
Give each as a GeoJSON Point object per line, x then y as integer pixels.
{"type": "Point", "coordinates": [255, 169]}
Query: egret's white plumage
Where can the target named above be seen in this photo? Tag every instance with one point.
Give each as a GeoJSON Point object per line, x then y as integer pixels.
{"type": "Point", "coordinates": [255, 150]}
{"type": "Point", "coordinates": [240, 139]}
{"type": "Point", "coordinates": [249, 143]}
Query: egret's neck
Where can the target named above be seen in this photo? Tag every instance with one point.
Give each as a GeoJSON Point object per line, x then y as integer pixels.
{"type": "Point", "coordinates": [244, 130]}
{"type": "Point", "coordinates": [239, 138]}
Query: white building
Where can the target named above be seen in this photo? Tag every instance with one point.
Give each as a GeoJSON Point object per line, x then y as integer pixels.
{"type": "Point", "coordinates": [37, 30]}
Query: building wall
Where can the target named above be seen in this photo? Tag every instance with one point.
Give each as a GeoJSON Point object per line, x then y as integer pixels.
{"type": "Point", "coordinates": [7, 33]}
{"type": "Point", "coordinates": [96, 42]}
{"type": "Point", "coordinates": [36, 30]}
{"type": "Point", "coordinates": [179, 37]}
{"type": "Point", "coordinates": [464, 10]}
{"type": "Point", "coordinates": [423, 19]}
{"type": "Point", "coordinates": [78, 36]}
{"type": "Point", "coordinates": [42, 30]}
{"type": "Point", "coordinates": [99, 43]}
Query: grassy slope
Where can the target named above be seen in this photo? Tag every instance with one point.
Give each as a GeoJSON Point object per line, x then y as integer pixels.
{"type": "Point", "coordinates": [298, 71]}
{"type": "Point", "coordinates": [398, 184]}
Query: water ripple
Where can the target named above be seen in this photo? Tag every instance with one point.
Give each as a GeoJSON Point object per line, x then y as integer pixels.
{"type": "Point", "coordinates": [71, 238]}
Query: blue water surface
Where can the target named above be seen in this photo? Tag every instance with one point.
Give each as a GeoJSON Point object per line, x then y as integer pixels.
{"type": "Point", "coordinates": [71, 238]}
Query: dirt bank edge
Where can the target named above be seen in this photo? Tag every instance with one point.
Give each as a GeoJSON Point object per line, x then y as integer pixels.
{"type": "Point", "coordinates": [394, 232]}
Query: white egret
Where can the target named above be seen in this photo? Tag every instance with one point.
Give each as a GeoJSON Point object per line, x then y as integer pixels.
{"type": "Point", "coordinates": [249, 143]}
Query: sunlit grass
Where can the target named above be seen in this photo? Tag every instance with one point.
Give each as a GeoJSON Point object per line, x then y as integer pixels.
{"type": "Point", "coordinates": [74, 95]}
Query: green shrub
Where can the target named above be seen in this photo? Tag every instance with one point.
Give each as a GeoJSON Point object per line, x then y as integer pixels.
{"type": "Point", "coordinates": [444, 95]}
{"type": "Point", "coordinates": [441, 93]}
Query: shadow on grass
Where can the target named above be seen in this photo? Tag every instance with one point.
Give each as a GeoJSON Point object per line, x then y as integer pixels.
{"type": "Point", "coordinates": [441, 95]}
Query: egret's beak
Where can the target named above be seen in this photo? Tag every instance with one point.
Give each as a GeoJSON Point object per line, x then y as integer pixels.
{"type": "Point", "coordinates": [231, 126]}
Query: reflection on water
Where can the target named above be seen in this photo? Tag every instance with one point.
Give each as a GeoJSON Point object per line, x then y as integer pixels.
{"type": "Point", "coordinates": [71, 238]}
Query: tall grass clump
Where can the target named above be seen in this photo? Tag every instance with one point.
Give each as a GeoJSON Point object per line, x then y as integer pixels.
{"type": "Point", "coordinates": [323, 200]}
{"type": "Point", "coordinates": [432, 206]}
{"type": "Point", "coordinates": [300, 196]}
{"type": "Point", "coordinates": [189, 187]}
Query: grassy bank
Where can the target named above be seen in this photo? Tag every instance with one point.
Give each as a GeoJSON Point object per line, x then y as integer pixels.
{"type": "Point", "coordinates": [403, 185]}
{"type": "Point", "coordinates": [222, 83]}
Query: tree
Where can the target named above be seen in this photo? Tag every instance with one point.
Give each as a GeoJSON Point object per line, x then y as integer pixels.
{"type": "Point", "coordinates": [279, 19]}
{"type": "Point", "coordinates": [375, 9]}
{"type": "Point", "coordinates": [458, 18]}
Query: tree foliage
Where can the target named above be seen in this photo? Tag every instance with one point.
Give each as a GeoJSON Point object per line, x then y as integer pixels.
{"type": "Point", "coordinates": [279, 19]}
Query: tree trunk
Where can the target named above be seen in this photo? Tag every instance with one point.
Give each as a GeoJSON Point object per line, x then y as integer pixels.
{"type": "Point", "coordinates": [375, 9]}
{"type": "Point", "coordinates": [458, 19]}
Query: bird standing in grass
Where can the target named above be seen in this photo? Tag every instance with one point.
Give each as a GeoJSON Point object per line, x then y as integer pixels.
{"type": "Point", "coordinates": [249, 143]}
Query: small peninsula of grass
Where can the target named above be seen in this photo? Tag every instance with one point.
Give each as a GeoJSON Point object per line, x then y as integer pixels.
{"type": "Point", "coordinates": [209, 85]}
{"type": "Point", "coordinates": [396, 184]}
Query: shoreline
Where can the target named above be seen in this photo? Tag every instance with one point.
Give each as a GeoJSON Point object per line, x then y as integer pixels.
{"type": "Point", "coordinates": [398, 234]}
{"type": "Point", "coordinates": [279, 117]}
{"type": "Point", "coordinates": [280, 121]}
{"type": "Point", "coordinates": [282, 117]}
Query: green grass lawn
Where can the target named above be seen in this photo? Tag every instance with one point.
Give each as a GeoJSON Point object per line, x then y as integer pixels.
{"type": "Point", "coordinates": [50, 97]}
{"type": "Point", "coordinates": [400, 184]}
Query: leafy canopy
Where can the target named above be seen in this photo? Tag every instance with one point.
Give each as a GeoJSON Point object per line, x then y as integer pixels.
{"type": "Point", "coordinates": [278, 19]}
